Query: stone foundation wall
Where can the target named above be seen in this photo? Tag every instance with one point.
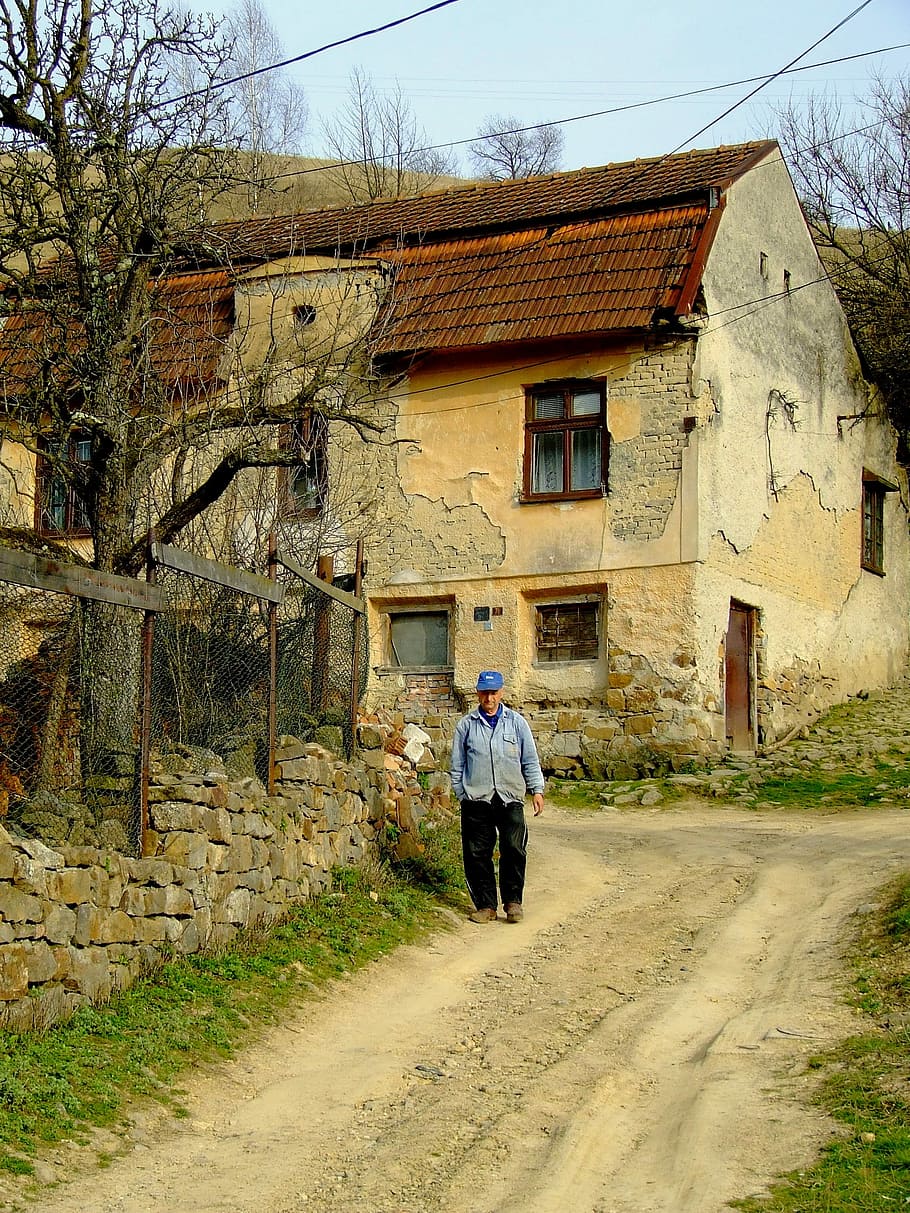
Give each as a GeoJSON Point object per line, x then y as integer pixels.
{"type": "Point", "coordinates": [647, 723]}
{"type": "Point", "coordinates": [644, 724]}
{"type": "Point", "coordinates": [422, 691]}
{"type": "Point", "coordinates": [79, 922]}
{"type": "Point", "coordinates": [790, 698]}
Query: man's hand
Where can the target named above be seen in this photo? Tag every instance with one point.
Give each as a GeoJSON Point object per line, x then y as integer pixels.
{"type": "Point", "coordinates": [538, 803]}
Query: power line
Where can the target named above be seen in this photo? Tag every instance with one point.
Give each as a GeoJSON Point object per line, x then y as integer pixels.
{"type": "Point", "coordinates": [523, 249]}
{"type": "Point", "coordinates": [790, 66]}
{"type": "Point", "coordinates": [759, 303]}
{"type": "Point", "coordinates": [753, 92]}
{"type": "Point", "coordinates": [616, 109]}
{"type": "Point", "coordinates": [748, 97]}
{"type": "Point", "coordinates": [273, 67]}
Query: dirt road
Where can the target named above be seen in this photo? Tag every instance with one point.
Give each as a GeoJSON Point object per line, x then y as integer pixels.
{"type": "Point", "coordinates": [637, 1045]}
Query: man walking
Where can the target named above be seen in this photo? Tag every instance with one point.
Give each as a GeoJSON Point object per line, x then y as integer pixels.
{"type": "Point", "coordinates": [494, 763]}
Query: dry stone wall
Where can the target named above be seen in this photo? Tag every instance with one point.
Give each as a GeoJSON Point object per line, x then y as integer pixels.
{"type": "Point", "coordinates": [78, 923]}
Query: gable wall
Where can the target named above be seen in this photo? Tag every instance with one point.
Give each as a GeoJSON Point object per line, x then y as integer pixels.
{"type": "Point", "coordinates": [780, 477]}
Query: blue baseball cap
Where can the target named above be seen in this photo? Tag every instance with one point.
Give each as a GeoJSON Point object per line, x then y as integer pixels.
{"type": "Point", "coordinates": [489, 680]}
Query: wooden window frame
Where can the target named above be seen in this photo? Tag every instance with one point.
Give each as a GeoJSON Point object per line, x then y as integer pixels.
{"type": "Point", "coordinates": [430, 609]}
{"type": "Point", "coordinates": [567, 425]}
{"type": "Point", "coordinates": [74, 504]}
{"type": "Point", "coordinates": [308, 436]}
{"type": "Point", "coordinates": [593, 608]}
{"type": "Point", "coordinates": [872, 535]}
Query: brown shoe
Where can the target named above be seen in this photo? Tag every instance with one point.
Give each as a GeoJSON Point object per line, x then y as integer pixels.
{"type": "Point", "coordinates": [486, 914]}
{"type": "Point", "coordinates": [514, 912]}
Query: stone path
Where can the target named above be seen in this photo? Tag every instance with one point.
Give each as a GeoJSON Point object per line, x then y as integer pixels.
{"type": "Point", "coordinates": [857, 735]}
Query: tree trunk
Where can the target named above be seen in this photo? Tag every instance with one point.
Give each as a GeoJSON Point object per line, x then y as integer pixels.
{"type": "Point", "coordinates": [111, 682]}
{"type": "Point", "coordinates": [48, 775]}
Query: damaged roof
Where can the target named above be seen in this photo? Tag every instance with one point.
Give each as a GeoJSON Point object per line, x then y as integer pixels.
{"type": "Point", "coordinates": [591, 251]}
{"type": "Point", "coordinates": [192, 321]}
{"type": "Point", "coordinates": [595, 250]}
{"type": "Point", "coordinates": [610, 274]}
{"type": "Point", "coordinates": [484, 206]}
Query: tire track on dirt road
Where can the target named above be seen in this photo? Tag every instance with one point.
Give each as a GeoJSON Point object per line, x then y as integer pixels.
{"type": "Point", "coordinates": [637, 1045]}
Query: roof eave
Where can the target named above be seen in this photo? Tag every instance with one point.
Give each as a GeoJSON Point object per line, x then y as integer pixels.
{"type": "Point", "coordinates": [568, 341]}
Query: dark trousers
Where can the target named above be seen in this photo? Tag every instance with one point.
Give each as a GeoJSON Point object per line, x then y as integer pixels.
{"type": "Point", "coordinates": [481, 822]}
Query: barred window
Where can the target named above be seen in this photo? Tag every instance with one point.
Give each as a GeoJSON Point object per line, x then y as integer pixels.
{"type": "Point", "coordinates": [873, 527]}
{"type": "Point", "coordinates": [568, 631]}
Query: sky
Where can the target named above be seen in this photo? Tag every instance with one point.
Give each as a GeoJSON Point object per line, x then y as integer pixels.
{"type": "Point", "coordinates": [546, 62]}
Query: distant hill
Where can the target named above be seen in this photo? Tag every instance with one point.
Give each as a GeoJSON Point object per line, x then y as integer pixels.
{"type": "Point", "coordinates": [304, 183]}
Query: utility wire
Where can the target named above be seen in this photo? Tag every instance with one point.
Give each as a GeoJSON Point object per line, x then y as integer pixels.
{"type": "Point", "coordinates": [748, 97]}
{"type": "Point", "coordinates": [652, 164]}
{"type": "Point", "coordinates": [849, 17]}
{"type": "Point", "coordinates": [753, 305]}
{"type": "Point", "coordinates": [273, 67]}
{"type": "Point", "coordinates": [523, 249]}
{"type": "Point", "coordinates": [616, 109]}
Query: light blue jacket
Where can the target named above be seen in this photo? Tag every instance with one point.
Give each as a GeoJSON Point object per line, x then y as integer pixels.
{"type": "Point", "coordinates": [502, 760]}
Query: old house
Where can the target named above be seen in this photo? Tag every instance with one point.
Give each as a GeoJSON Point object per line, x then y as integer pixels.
{"type": "Point", "coordinates": [630, 457]}
{"type": "Point", "coordinates": [641, 470]}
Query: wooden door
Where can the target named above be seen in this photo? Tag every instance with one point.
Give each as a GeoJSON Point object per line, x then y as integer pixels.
{"type": "Point", "coordinates": [738, 678]}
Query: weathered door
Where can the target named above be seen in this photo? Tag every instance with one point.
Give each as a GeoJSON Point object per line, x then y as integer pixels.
{"type": "Point", "coordinates": [738, 678]}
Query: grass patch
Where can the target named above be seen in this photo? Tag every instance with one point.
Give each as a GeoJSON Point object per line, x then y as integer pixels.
{"type": "Point", "coordinates": [575, 793]}
{"type": "Point", "coordinates": [59, 1083]}
{"type": "Point", "coordinates": [585, 794]}
{"type": "Point", "coordinates": [881, 781]}
{"type": "Point", "coordinates": [865, 1085]}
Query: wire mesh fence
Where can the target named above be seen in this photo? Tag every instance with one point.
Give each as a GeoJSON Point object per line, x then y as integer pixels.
{"type": "Point", "coordinates": [210, 673]}
{"type": "Point", "coordinates": [321, 667]}
{"type": "Point", "coordinates": [228, 671]}
{"type": "Point", "coordinates": [69, 699]}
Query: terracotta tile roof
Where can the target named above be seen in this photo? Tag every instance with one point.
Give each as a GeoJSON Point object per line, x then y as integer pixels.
{"type": "Point", "coordinates": [635, 184]}
{"type": "Point", "coordinates": [193, 320]}
{"type": "Point", "coordinates": [612, 274]}
{"type": "Point", "coordinates": [588, 251]}
{"type": "Point", "coordinates": [593, 250]}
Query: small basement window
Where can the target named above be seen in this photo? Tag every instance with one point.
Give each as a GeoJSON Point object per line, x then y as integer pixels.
{"type": "Point", "coordinates": [568, 631]}
{"type": "Point", "coordinates": [419, 638]}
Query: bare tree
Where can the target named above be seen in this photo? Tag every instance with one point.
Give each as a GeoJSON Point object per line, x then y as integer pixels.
{"type": "Point", "coordinates": [269, 109]}
{"type": "Point", "coordinates": [505, 149]}
{"type": "Point", "coordinates": [103, 169]}
{"type": "Point", "coordinates": [380, 147]}
{"type": "Point", "coordinates": [854, 181]}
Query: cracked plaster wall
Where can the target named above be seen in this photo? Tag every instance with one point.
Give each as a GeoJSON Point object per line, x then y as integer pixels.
{"type": "Point", "coordinates": [780, 486]}
{"type": "Point", "coordinates": [760, 501]}
{"type": "Point", "coordinates": [456, 531]}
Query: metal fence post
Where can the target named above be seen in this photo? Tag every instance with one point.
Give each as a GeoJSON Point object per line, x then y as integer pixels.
{"type": "Point", "coordinates": [322, 636]}
{"type": "Point", "coordinates": [145, 724]}
{"type": "Point", "coordinates": [357, 641]}
{"type": "Point", "coordinates": [273, 665]}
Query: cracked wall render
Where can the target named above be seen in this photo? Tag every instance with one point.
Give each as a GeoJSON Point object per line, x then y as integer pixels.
{"type": "Point", "coordinates": [780, 477]}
